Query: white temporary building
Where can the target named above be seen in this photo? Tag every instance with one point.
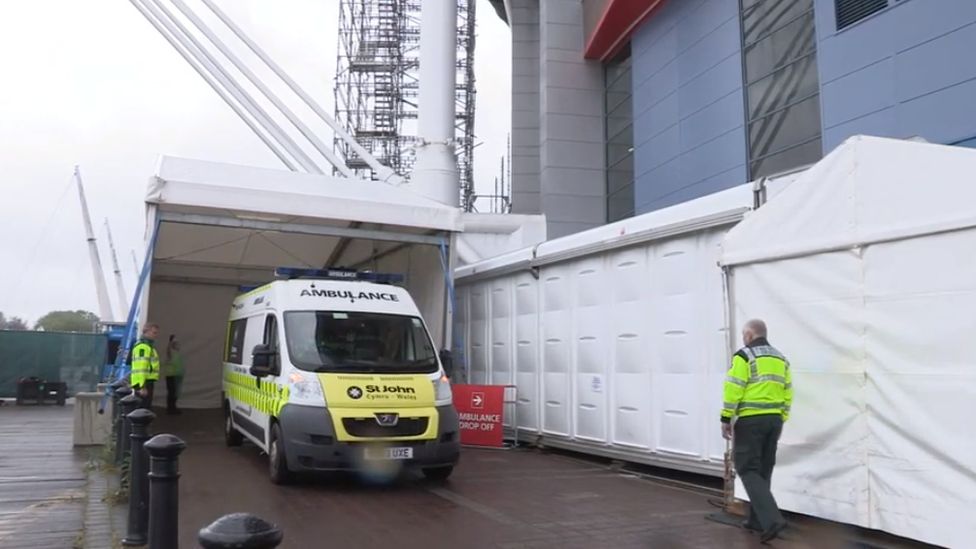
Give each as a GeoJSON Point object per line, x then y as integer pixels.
{"type": "Point", "coordinates": [865, 270]}
{"type": "Point", "coordinates": [215, 227]}
{"type": "Point", "coordinates": [615, 337]}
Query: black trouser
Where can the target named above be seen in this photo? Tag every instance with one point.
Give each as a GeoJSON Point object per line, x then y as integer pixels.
{"type": "Point", "coordinates": [172, 392]}
{"type": "Point", "coordinates": [755, 456]}
{"type": "Point", "coordinates": [149, 386]}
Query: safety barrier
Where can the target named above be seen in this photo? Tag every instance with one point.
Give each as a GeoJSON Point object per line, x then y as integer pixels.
{"type": "Point", "coordinates": [151, 473]}
{"type": "Point", "coordinates": [72, 359]}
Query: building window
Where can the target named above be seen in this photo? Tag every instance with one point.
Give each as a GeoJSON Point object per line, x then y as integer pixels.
{"type": "Point", "coordinates": [779, 56]}
{"type": "Point", "coordinates": [852, 11]}
{"type": "Point", "coordinates": [619, 133]}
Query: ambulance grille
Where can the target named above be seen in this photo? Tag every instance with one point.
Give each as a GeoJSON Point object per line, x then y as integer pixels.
{"type": "Point", "coordinates": [368, 427]}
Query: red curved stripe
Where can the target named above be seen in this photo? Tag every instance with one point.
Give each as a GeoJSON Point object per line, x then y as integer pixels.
{"type": "Point", "coordinates": [619, 21]}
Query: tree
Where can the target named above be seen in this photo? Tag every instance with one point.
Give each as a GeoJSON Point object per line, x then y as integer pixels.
{"type": "Point", "coordinates": [12, 323]}
{"type": "Point", "coordinates": [67, 321]}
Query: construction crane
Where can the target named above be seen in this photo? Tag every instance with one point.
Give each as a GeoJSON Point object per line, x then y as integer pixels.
{"type": "Point", "coordinates": [119, 285]}
{"type": "Point", "coordinates": [101, 290]}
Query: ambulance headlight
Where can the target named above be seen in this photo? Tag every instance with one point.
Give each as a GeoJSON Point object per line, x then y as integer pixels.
{"type": "Point", "coordinates": [304, 388]}
{"type": "Point", "coordinates": [442, 391]}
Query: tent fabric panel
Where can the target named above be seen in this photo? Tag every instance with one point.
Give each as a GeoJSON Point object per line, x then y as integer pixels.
{"type": "Point", "coordinates": [197, 314]}
{"type": "Point", "coordinates": [363, 254]}
{"type": "Point", "coordinates": [222, 245]}
{"type": "Point", "coordinates": [920, 382]}
{"type": "Point", "coordinates": [815, 317]}
{"type": "Point", "coordinates": [883, 377]}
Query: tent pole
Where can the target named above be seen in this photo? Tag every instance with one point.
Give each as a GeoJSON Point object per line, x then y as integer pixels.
{"type": "Point", "coordinates": [122, 356]}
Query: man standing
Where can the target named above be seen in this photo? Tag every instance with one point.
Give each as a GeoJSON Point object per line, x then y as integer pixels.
{"type": "Point", "coordinates": [145, 365]}
{"type": "Point", "coordinates": [174, 374]}
{"type": "Point", "coordinates": [758, 393]}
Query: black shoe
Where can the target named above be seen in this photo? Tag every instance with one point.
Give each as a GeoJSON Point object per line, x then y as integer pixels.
{"type": "Point", "coordinates": [751, 526]}
{"type": "Point", "coordinates": [773, 532]}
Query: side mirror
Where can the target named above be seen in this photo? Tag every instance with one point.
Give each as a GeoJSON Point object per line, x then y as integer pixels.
{"type": "Point", "coordinates": [447, 362]}
{"type": "Point", "coordinates": [262, 360]}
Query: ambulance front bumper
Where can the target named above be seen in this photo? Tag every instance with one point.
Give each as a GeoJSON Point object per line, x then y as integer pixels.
{"type": "Point", "coordinates": [311, 444]}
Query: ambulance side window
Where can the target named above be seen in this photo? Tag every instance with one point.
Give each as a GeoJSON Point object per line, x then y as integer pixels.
{"type": "Point", "coordinates": [235, 341]}
{"type": "Point", "coordinates": [271, 340]}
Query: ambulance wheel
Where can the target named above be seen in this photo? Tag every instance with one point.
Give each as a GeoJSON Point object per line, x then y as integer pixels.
{"type": "Point", "coordinates": [277, 463]}
{"type": "Point", "coordinates": [438, 474]}
{"type": "Point", "coordinates": [232, 437]}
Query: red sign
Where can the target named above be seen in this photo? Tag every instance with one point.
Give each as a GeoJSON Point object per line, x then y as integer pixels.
{"type": "Point", "coordinates": [480, 411]}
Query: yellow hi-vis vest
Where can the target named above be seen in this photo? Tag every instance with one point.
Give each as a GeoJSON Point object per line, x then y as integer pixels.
{"type": "Point", "coordinates": [145, 364]}
{"type": "Point", "coordinates": [758, 383]}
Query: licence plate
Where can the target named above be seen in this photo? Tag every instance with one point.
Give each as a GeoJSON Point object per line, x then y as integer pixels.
{"type": "Point", "coordinates": [389, 453]}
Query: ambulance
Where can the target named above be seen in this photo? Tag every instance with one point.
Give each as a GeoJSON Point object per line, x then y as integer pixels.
{"type": "Point", "coordinates": [335, 370]}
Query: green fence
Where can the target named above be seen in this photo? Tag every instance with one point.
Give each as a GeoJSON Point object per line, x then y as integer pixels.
{"type": "Point", "coordinates": [76, 359]}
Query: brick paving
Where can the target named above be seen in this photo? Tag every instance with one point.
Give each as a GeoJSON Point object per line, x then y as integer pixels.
{"type": "Point", "coordinates": [514, 499]}
{"type": "Point", "coordinates": [42, 479]}
{"type": "Point", "coordinates": [495, 499]}
{"type": "Point", "coordinates": [53, 495]}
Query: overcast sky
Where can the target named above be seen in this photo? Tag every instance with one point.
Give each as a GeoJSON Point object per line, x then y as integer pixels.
{"type": "Point", "coordinates": [92, 83]}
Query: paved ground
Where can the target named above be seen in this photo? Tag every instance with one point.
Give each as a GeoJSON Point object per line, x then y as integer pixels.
{"type": "Point", "coordinates": [51, 494]}
{"type": "Point", "coordinates": [42, 478]}
{"type": "Point", "coordinates": [496, 498]}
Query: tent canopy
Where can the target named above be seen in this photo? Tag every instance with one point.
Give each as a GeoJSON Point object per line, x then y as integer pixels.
{"type": "Point", "coordinates": [181, 184]}
{"type": "Point", "coordinates": [232, 224]}
{"type": "Point", "coordinates": [834, 205]}
{"type": "Point", "coordinates": [220, 226]}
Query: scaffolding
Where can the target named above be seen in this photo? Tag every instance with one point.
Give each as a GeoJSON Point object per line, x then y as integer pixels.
{"type": "Point", "coordinates": [377, 85]}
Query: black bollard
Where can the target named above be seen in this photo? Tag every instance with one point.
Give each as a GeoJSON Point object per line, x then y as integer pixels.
{"type": "Point", "coordinates": [127, 405]}
{"type": "Point", "coordinates": [240, 530]}
{"type": "Point", "coordinates": [114, 386]}
{"type": "Point", "coordinates": [117, 419]}
{"type": "Point", "coordinates": [164, 499]}
{"type": "Point", "coordinates": [139, 474]}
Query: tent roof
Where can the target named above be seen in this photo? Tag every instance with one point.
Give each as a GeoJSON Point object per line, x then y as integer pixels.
{"type": "Point", "coordinates": [716, 209]}
{"type": "Point", "coordinates": [187, 185]}
{"type": "Point", "coordinates": [229, 224]}
{"type": "Point", "coordinates": [867, 190]}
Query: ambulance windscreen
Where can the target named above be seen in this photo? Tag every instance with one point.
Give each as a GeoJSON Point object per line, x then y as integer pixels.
{"type": "Point", "coordinates": [332, 341]}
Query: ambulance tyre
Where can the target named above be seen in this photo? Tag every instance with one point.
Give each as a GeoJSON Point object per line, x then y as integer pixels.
{"type": "Point", "coordinates": [277, 463]}
{"type": "Point", "coordinates": [232, 437]}
{"type": "Point", "coordinates": [438, 474]}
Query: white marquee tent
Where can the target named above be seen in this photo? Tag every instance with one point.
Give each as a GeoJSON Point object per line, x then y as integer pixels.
{"type": "Point", "coordinates": [218, 227]}
{"type": "Point", "coordinates": [865, 272]}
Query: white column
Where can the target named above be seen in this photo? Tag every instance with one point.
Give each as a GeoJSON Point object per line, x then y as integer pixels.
{"type": "Point", "coordinates": [435, 173]}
